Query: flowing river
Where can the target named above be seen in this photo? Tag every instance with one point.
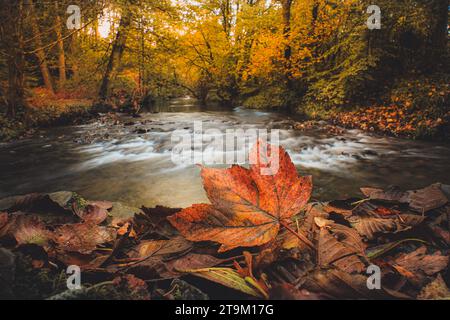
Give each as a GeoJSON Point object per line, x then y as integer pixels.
{"type": "Point", "coordinates": [131, 161]}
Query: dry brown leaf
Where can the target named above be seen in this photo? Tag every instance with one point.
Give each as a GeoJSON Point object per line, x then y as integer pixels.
{"type": "Point", "coordinates": [422, 200]}
{"type": "Point", "coordinates": [30, 230]}
{"type": "Point", "coordinates": [25, 229]}
{"type": "Point", "coordinates": [436, 290]}
{"type": "Point", "coordinates": [370, 226]}
{"type": "Point", "coordinates": [340, 246]}
{"type": "Point", "coordinates": [149, 248]}
{"type": "Point", "coordinates": [193, 261]}
{"type": "Point", "coordinates": [91, 213]}
{"type": "Point", "coordinates": [393, 194]}
{"type": "Point", "coordinates": [419, 261]}
{"type": "Point", "coordinates": [338, 284]}
{"type": "Point", "coordinates": [427, 199]}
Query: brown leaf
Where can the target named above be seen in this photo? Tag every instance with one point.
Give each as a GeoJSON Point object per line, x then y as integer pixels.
{"type": "Point", "coordinates": [427, 199]}
{"type": "Point", "coordinates": [36, 201]}
{"type": "Point", "coordinates": [154, 220]}
{"type": "Point", "coordinates": [418, 261]}
{"type": "Point", "coordinates": [340, 246]}
{"type": "Point", "coordinates": [228, 277]}
{"type": "Point", "coordinates": [194, 261]}
{"type": "Point", "coordinates": [91, 213]}
{"type": "Point", "coordinates": [370, 226]}
{"type": "Point", "coordinates": [25, 229]}
{"type": "Point", "coordinates": [436, 290]}
{"type": "Point", "coordinates": [422, 200]}
{"type": "Point", "coordinates": [161, 247]}
{"type": "Point", "coordinates": [393, 194]}
{"type": "Point", "coordinates": [133, 287]}
{"type": "Point", "coordinates": [82, 237]}
{"type": "Point", "coordinates": [107, 205]}
{"type": "Point", "coordinates": [30, 230]}
{"type": "Point", "coordinates": [3, 219]}
{"type": "Point", "coordinates": [338, 284]}
{"type": "Point", "coordinates": [247, 207]}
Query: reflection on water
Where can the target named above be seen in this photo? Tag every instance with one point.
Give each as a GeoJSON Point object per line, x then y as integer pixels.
{"type": "Point", "coordinates": [132, 162]}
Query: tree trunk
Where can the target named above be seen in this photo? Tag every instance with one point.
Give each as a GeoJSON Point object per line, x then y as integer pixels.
{"type": "Point", "coordinates": [61, 52]}
{"type": "Point", "coordinates": [16, 60]}
{"type": "Point", "coordinates": [40, 53]}
{"type": "Point", "coordinates": [439, 35]}
{"type": "Point", "coordinates": [116, 53]}
{"type": "Point", "coordinates": [286, 11]}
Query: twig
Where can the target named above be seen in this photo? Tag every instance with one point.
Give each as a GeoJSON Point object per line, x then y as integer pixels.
{"type": "Point", "coordinates": [298, 235]}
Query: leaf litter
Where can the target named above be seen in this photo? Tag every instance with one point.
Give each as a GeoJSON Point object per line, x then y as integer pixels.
{"type": "Point", "coordinates": [260, 237]}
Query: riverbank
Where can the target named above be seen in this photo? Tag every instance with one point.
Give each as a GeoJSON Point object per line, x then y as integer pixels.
{"type": "Point", "coordinates": [55, 112]}
{"type": "Point", "coordinates": [413, 109]}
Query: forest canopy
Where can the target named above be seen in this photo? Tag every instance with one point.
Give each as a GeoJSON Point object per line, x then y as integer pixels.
{"type": "Point", "coordinates": [308, 56]}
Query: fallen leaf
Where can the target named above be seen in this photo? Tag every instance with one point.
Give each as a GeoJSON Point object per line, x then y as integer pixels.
{"type": "Point", "coordinates": [82, 237]}
{"type": "Point", "coordinates": [60, 200]}
{"type": "Point", "coordinates": [422, 200]}
{"type": "Point", "coordinates": [182, 290]}
{"type": "Point", "coordinates": [154, 220]}
{"type": "Point", "coordinates": [3, 219]}
{"type": "Point", "coordinates": [227, 277]}
{"type": "Point", "coordinates": [91, 213]}
{"type": "Point", "coordinates": [419, 261]}
{"type": "Point", "coordinates": [30, 230]}
{"type": "Point", "coordinates": [370, 226]}
{"type": "Point", "coordinates": [340, 246]}
{"type": "Point", "coordinates": [161, 247]}
{"type": "Point", "coordinates": [194, 261]}
{"type": "Point", "coordinates": [436, 290]}
{"type": "Point", "coordinates": [247, 207]}
{"type": "Point", "coordinates": [427, 199]}
{"type": "Point", "coordinates": [391, 194]}
{"type": "Point", "coordinates": [135, 288]}
{"type": "Point", "coordinates": [338, 284]}
{"type": "Point", "coordinates": [25, 229]}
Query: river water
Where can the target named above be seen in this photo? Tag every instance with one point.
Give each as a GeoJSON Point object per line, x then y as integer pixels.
{"type": "Point", "coordinates": [131, 162]}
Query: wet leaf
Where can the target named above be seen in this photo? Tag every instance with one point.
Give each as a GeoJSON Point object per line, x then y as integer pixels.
{"type": "Point", "coordinates": [247, 207]}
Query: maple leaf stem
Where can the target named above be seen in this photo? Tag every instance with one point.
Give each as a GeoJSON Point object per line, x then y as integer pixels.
{"type": "Point", "coordinates": [299, 235]}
